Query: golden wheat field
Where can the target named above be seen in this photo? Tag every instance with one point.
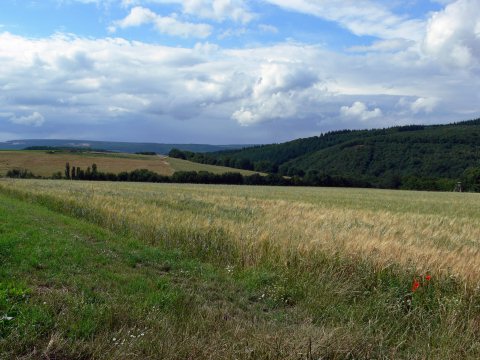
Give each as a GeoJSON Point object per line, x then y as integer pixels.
{"type": "Point", "coordinates": [44, 164]}
{"type": "Point", "coordinates": [434, 232]}
{"type": "Point", "coordinates": [224, 272]}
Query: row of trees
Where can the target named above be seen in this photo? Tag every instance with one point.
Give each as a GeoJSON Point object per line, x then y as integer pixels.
{"type": "Point", "coordinates": [77, 173]}
{"type": "Point", "coordinates": [470, 179]}
{"type": "Point", "coordinates": [193, 177]}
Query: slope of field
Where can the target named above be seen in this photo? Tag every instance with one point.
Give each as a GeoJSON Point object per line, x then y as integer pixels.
{"type": "Point", "coordinates": [126, 147]}
{"type": "Point", "coordinates": [331, 270]}
{"type": "Point", "coordinates": [45, 164]}
{"type": "Point", "coordinates": [185, 165]}
{"type": "Point", "coordinates": [437, 151]}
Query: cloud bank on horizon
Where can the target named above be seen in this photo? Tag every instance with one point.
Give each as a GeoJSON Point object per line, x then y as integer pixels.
{"type": "Point", "coordinates": [233, 71]}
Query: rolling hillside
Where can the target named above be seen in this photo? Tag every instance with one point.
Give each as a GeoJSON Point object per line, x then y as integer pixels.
{"type": "Point", "coordinates": [376, 156]}
{"type": "Point", "coordinates": [45, 163]}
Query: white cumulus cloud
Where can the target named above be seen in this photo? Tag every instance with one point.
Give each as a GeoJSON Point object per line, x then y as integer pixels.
{"type": "Point", "coordinates": [453, 34]}
{"type": "Point", "coordinates": [34, 119]}
{"type": "Point", "coordinates": [360, 111]}
{"type": "Point", "coordinates": [424, 104]}
{"type": "Point", "coordinates": [164, 24]}
{"type": "Point", "coordinates": [280, 91]}
{"type": "Point", "coordinates": [217, 10]}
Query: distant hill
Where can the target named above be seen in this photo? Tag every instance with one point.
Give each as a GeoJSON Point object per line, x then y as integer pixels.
{"type": "Point", "coordinates": [381, 157]}
{"type": "Point", "coordinates": [46, 163]}
{"type": "Point", "coordinates": [125, 147]}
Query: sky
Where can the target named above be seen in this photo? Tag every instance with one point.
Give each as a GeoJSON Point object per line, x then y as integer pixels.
{"type": "Point", "coordinates": [233, 71]}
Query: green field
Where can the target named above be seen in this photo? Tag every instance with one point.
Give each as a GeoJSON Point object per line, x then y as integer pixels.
{"type": "Point", "coordinates": [166, 271]}
{"type": "Point", "coordinates": [43, 163]}
{"type": "Point", "coordinates": [185, 165]}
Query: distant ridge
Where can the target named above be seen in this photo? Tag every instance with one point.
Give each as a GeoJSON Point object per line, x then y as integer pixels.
{"type": "Point", "coordinates": [127, 147]}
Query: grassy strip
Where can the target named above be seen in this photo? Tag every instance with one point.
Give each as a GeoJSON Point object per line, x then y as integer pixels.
{"type": "Point", "coordinates": [71, 290]}
{"type": "Point", "coordinates": [280, 305]}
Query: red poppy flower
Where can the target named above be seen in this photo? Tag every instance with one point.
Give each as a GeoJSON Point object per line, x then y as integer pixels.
{"type": "Point", "coordinates": [428, 277]}
{"type": "Point", "coordinates": [415, 285]}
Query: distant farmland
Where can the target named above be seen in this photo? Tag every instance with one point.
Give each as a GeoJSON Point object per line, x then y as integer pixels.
{"type": "Point", "coordinates": [45, 164]}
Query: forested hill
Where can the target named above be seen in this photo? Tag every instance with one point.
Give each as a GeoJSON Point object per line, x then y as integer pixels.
{"type": "Point", "coordinates": [381, 157]}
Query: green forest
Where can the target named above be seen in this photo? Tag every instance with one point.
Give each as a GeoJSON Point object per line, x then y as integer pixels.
{"type": "Point", "coordinates": [419, 157]}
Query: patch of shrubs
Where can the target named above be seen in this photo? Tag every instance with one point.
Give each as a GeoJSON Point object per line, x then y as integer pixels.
{"type": "Point", "coordinates": [21, 174]}
{"type": "Point", "coordinates": [152, 153]}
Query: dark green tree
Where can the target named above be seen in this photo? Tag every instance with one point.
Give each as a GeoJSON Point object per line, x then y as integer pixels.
{"type": "Point", "coordinates": [471, 179]}
{"type": "Point", "coordinates": [57, 175]}
{"type": "Point", "coordinates": [176, 153]}
{"type": "Point", "coordinates": [67, 171]}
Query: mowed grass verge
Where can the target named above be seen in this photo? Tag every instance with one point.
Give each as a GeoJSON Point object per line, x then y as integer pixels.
{"type": "Point", "coordinates": [243, 299]}
{"type": "Point", "coordinates": [43, 163]}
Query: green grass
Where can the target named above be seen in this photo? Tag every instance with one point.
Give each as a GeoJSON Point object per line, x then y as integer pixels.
{"type": "Point", "coordinates": [185, 165]}
{"type": "Point", "coordinates": [70, 289]}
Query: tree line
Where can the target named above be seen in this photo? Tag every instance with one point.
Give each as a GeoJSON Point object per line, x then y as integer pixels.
{"type": "Point", "coordinates": [201, 177]}
{"type": "Point", "coordinates": [470, 181]}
